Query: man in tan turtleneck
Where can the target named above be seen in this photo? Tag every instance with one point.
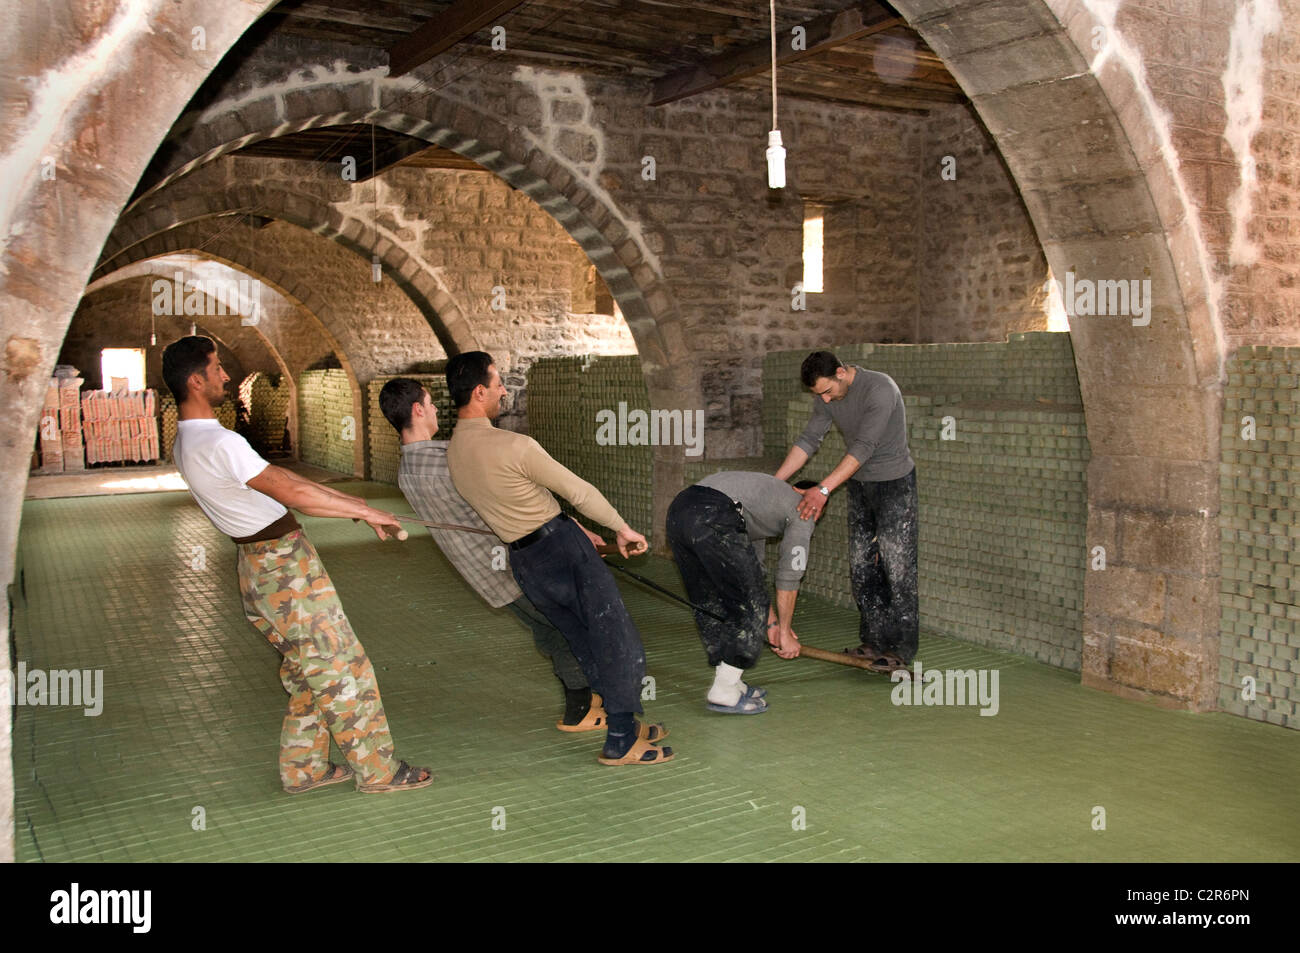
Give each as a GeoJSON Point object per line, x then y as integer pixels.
{"type": "Point", "coordinates": [508, 478]}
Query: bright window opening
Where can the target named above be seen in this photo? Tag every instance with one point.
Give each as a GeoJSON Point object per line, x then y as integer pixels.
{"type": "Point", "coordinates": [122, 367]}
{"type": "Point", "coordinates": [813, 216]}
{"type": "Point", "coordinates": [1057, 318]}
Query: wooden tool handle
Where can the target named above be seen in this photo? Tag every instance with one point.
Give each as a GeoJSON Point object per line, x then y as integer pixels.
{"type": "Point", "coordinates": [609, 549]}
{"type": "Point", "coordinates": [839, 658]}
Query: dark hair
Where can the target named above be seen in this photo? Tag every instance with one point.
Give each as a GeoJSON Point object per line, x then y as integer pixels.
{"type": "Point", "coordinates": [467, 371]}
{"type": "Point", "coordinates": [817, 365]}
{"type": "Point", "coordinates": [396, 398]}
{"type": "Point", "coordinates": [184, 358]}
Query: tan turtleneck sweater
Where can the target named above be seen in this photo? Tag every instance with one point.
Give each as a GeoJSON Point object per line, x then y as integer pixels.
{"type": "Point", "coordinates": [507, 478]}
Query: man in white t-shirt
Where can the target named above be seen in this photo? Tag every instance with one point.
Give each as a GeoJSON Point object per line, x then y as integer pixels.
{"type": "Point", "coordinates": [287, 594]}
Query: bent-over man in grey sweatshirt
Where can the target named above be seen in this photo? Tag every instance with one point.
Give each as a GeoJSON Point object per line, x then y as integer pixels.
{"type": "Point", "coordinates": [718, 531]}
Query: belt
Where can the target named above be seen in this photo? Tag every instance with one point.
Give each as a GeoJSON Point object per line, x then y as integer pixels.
{"type": "Point", "coordinates": [546, 529]}
{"type": "Point", "coordinates": [284, 525]}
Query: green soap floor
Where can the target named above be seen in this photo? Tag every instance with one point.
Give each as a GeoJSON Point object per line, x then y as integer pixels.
{"type": "Point", "coordinates": [192, 706]}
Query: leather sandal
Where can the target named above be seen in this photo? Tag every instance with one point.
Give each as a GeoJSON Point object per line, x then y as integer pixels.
{"type": "Point", "coordinates": [637, 754]}
{"type": "Point", "coordinates": [652, 733]}
{"type": "Point", "coordinates": [406, 778]}
{"type": "Point", "coordinates": [594, 719]}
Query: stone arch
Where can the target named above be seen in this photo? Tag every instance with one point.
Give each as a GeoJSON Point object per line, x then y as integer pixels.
{"type": "Point", "coordinates": [288, 318]}
{"type": "Point", "coordinates": [324, 95]}
{"type": "Point", "coordinates": [212, 194]}
{"type": "Point", "coordinates": [1084, 142]}
{"type": "Point", "coordinates": [230, 329]}
{"type": "Point", "coordinates": [87, 67]}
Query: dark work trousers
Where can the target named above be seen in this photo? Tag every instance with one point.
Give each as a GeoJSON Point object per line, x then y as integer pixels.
{"type": "Point", "coordinates": [722, 574]}
{"type": "Point", "coordinates": [571, 585]}
{"type": "Point", "coordinates": [550, 642]}
{"type": "Point", "coordinates": [883, 522]}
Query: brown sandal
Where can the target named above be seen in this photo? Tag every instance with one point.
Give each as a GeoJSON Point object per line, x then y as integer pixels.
{"type": "Point", "coordinates": [595, 717]}
{"type": "Point", "coordinates": [636, 754]}
{"type": "Point", "coordinates": [652, 733]}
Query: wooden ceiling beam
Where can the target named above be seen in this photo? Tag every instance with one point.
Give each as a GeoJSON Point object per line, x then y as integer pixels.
{"type": "Point", "coordinates": [821, 33]}
{"type": "Point", "coordinates": [461, 19]}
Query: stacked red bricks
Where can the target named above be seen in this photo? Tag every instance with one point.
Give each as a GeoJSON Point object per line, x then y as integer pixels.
{"type": "Point", "coordinates": [120, 427]}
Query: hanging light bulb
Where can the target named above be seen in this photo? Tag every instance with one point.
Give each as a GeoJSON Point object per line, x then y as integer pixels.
{"type": "Point", "coordinates": [153, 326]}
{"type": "Point", "coordinates": [775, 160]}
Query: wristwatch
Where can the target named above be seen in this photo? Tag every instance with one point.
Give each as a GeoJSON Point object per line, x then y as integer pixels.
{"type": "Point", "coordinates": [823, 491]}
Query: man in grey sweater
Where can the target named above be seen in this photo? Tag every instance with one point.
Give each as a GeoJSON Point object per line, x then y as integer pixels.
{"type": "Point", "coordinates": [867, 407]}
{"type": "Point", "coordinates": [718, 530]}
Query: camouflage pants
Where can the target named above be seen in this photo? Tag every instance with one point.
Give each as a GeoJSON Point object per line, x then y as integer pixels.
{"type": "Point", "coordinates": [332, 690]}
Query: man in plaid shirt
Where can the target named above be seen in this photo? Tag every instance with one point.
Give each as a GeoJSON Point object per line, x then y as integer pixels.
{"type": "Point", "coordinates": [482, 561]}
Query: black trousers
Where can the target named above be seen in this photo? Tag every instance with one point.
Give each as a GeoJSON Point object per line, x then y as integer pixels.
{"type": "Point", "coordinates": [570, 585]}
{"type": "Point", "coordinates": [551, 642]}
{"type": "Point", "coordinates": [883, 522]}
{"type": "Point", "coordinates": [721, 573]}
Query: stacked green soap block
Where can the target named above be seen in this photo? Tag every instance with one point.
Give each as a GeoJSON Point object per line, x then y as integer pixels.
{"type": "Point", "coordinates": [324, 404]}
{"type": "Point", "coordinates": [566, 398]}
{"type": "Point", "coordinates": [1259, 524]}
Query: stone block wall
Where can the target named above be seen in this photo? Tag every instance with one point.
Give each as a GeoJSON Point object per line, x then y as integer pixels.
{"type": "Point", "coordinates": [325, 420]}
{"type": "Point", "coordinates": [981, 270]}
{"type": "Point", "coordinates": [509, 266]}
{"type": "Point", "coordinates": [1259, 521]}
{"type": "Point", "coordinates": [1236, 152]}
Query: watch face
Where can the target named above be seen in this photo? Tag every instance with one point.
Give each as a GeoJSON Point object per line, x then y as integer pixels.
{"type": "Point", "coordinates": [825, 492]}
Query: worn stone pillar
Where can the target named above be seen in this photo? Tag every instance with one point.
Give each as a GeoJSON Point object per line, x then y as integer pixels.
{"type": "Point", "coordinates": [68, 171]}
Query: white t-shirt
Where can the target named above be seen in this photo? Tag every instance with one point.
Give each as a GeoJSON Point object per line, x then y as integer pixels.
{"type": "Point", "coordinates": [216, 464]}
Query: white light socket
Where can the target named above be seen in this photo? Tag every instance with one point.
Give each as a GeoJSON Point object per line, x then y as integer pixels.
{"type": "Point", "coordinates": [775, 160]}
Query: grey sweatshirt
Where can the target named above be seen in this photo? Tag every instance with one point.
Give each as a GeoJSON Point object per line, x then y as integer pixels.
{"type": "Point", "coordinates": [771, 509]}
{"type": "Point", "coordinates": [874, 424]}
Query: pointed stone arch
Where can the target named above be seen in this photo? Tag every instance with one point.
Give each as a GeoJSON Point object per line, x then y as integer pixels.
{"type": "Point", "coordinates": [1084, 140]}
{"type": "Point", "coordinates": [213, 194]}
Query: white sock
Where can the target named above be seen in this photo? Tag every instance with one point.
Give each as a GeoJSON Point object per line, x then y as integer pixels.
{"type": "Point", "coordinates": [727, 687]}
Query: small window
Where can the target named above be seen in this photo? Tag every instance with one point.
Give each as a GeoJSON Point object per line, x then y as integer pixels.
{"type": "Point", "coordinates": [120, 365]}
{"type": "Point", "coordinates": [813, 217]}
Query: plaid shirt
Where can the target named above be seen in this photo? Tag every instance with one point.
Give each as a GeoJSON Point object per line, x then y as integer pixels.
{"type": "Point", "coordinates": [426, 483]}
